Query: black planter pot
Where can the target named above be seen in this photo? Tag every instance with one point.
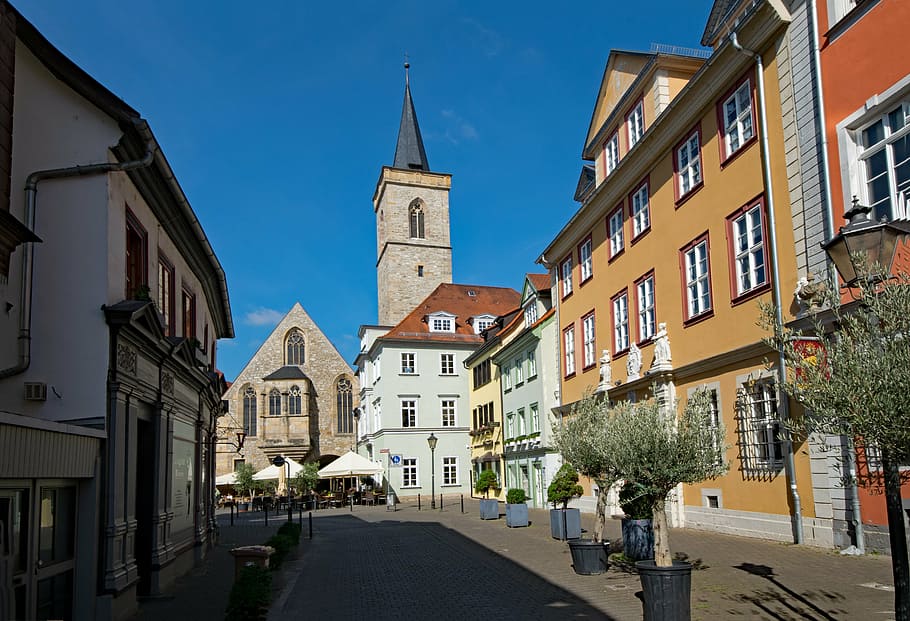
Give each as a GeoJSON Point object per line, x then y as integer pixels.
{"type": "Point", "coordinates": [637, 539]}
{"type": "Point", "coordinates": [589, 557]}
{"type": "Point", "coordinates": [667, 590]}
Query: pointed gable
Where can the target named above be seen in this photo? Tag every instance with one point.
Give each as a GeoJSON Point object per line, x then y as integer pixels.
{"type": "Point", "coordinates": [535, 285]}
{"type": "Point", "coordinates": [621, 71]}
{"type": "Point", "coordinates": [409, 152]}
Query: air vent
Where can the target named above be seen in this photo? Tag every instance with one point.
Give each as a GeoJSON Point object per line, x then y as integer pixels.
{"type": "Point", "coordinates": [35, 391]}
{"type": "Point", "coordinates": [472, 293]}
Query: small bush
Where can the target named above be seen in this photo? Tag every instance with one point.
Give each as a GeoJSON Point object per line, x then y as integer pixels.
{"type": "Point", "coordinates": [292, 530]}
{"type": "Point", "coordinates": [516, 496]}
{"type": "Point", "coordinates": [486, 480]}
{"type": "Point", "coordinates": [635, 501]}
{"type": "Point", "coordinates": [250, 595]}
{"type": "Point", "coordinates": [564, 486]}
{"type": "Point", "coordinates": [282, 545]}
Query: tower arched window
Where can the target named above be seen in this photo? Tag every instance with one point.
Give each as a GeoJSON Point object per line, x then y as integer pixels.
{"type": "Point", "coordinates": [274, 402]}
{"type": "Point", "coordinates": [294, 400]}
{"type": "Point", "coordinates": [249, 411]}
{"type": "Point", "coordinates": [416, 221]}
{"type": "Point", "coordinates": [295, 348]}
{"type": "Point", "coordinates": [345, 406]}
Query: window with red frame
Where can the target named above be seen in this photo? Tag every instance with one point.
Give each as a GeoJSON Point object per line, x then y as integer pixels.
{"type": "Point", "coordinates": [747, 236]}
{"type": "Point", "coordinates": [166, 293]}
{"type": "Point", "coordinates": [688, 164]}
{"type": "Point", "coordinates": [644, 303]}
{"type": "Point", "coordinates": [585, 260]}
{"type": "Point", "coordinates": [611, 153]}
{"type": "Point", "coordinates": [641, 210]}
{"type": "Point", "coordinates": [697, 273]}
{"type": "Point", "coordinates": [737, 124]}
{"type": "Point", "coordinates": [188, 307]}
{"type": "Point", "coordinates": [635, 122]}
{"type": "Point", "coordinates": [136, 253]}
{"type": "Point", "coordinates": [615, 231]}
{"type": "Point", "coordinates": [568, 339]}
{"type": "Point", "coordinates": [620, 322]}
{"type": "Point", "coordinates": [565, 269]}
{"type": "Point", "coordinates": [588, 340]}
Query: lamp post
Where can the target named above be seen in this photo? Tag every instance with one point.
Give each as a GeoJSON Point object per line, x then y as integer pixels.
{"type": "Point", "coordinates": [863, 253]}
{"type": "Point", "coordinates": [356, 447]}
{"type": "Point", "coordinates": [431, 441]}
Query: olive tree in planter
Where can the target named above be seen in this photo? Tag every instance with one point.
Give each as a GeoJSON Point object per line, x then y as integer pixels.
{"type": "Point", "coordinates": [637, 530]}
{"type": "Point", "coordinates": [516, 508]}
{"type": "Point", "coordinates": [245, 484]}
{"type": "Point", "coordinates": [489, 508]}
{"type": "Point", "coordinates": [658, 450]}
{"type": "Point", "coordinates": [565, 523]}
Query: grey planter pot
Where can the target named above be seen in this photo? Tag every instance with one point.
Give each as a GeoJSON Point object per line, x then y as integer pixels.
{"type": "Point", "coordinates": [489, 509]}
{"type": "Point", "coordinates": [637, 539]}
{"type": "Point", "coordinates": [516, 515]}
{"type": "Point", "coordinates": [565, 524]}
{"type": "Point", "coordinates": [666, 591]}
{"type": "Point", "coordinates": [589, 557]}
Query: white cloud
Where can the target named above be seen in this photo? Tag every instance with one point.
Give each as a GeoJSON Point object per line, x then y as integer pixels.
{"type": "Point", "coordinates": [458, 129]}
{"type": "Point", "coordinates": [263, 317]}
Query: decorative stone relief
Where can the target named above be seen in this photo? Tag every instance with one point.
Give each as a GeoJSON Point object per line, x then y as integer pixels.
{"type": "Point", "coordinates": [633, 364]}
{"type": "Point", "coordinates": [167, 383]}
{"type": "Point", "coordinates": [606, 374]}
{"type": "Point", "coordinates": [662, 357]}
{"type": "Point", "coordinates": [126, 358]}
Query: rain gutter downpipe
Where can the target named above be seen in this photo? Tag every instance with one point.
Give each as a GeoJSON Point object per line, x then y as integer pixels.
{"type": "Point", "coordinates": [858, 530]}
{"type": "Point", "coordinates": [27, 271]}
{"type": "Point", "coordinates": [783, 405]}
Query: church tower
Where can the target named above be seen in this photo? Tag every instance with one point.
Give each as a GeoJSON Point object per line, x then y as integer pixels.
{"type": "Point", "coordinates": [411, 203]}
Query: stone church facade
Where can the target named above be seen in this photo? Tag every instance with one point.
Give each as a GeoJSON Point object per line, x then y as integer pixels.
{"type": "Point", "coordinates": [295, 397]}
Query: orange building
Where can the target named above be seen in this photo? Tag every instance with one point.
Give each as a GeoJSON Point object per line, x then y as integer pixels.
{"type": "Point", "coordinates": [864, 51]}
{"type": "Point", "coordinates": [688, 229]}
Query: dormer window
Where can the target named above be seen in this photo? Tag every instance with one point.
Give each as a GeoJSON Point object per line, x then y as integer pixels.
{"type": "Point", "coordinates": [531, 313]}
{"type": "Point", "coordinates": [482, 322]}
{"type": "Point", "coordinates": [441, 322]}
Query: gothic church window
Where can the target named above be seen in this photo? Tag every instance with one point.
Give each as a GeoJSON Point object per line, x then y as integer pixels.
{"type": "Point", "coordinates": [295, 348]}
{"type": "Point", "coordinates": [416, 220]}
{"type": "Point", "coordinates": [345, 406]}
{"type": "Point", "coordinates": [249, 411]}
{"type": "Point", "coordinates": [274, 402]}
{"type": "Point", "coordinates": [294, 400]}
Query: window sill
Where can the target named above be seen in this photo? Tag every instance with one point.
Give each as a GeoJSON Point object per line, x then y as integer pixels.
{"type": "Point", "coordinates": [450, 485]}
{"type": "Point", "coordinates": [694, 319]}
{"type": "Point", "coordinates": [636, 238]}
{"type": "Point", "coordinates": [613, 257]}
{"type": "Point", "coordinates": [729, 158]}
{"type": "Point", "coordinates": [750, 294]}
{"type": "Point", "coordinates": [589, 367]}
{"type": "Point", "coordinates": [409, 374]}
{"type": "Point", "coordinates": [620, 353]}
{"type": "Point", "coordinates": [569, 375]}
{"type": "Point", "coordinates": [567, 296]}
{"type": "Point", "coordinates": [586, 280]}
{"type": "Point", "coordinates": [685, 197]}
{"type": "Point", "coordinates": [448, 375]}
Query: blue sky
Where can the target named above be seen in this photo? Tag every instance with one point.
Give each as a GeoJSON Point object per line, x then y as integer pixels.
{"type": "Point", "coordinates": [278, 116]}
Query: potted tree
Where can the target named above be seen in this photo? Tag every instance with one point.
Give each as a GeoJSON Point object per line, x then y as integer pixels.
{"type": "Point", "coordinates": [658, 450]}
{"type": "Point", "coordinates": [305, 481]}
{"type": "Point", "coordinates": [516, 508]}
{"type": "Point", "coordinates": [580, 439]}
{"type": "Point", "coordinates": [565, 523]}
{"type": "Point", "coordinates": [489, 508]}
{"type": "Point", "coordinates": [245, 485]}
{"type": "Point", "coordinates": [637, 533]}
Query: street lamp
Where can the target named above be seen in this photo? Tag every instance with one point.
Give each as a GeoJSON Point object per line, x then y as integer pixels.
{"type": "Point", "coordinates": [863, 244]}
{"type": "Point", "coordinates": [241, 436]}
{"type": "Point", "coordinates": [431, 441]}
{"type": "Point", "coordinates": [356, 446]}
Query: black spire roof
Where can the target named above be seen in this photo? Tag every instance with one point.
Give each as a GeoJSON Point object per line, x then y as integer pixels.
{"type": "Point", "coordinates": [409, 153]}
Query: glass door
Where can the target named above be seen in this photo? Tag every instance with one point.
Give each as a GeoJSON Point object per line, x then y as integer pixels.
{"type": "Point", "coordinates": [55, 526]}
{"type": "Point", "coordinates": [14, 529]}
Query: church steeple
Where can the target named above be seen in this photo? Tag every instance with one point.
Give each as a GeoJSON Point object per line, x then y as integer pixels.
{"type": "Point", "coordinates": [409, 153]}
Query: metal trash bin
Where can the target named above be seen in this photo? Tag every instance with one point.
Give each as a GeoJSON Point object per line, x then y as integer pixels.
{"type": "Point", "coordinates": [246, 556]}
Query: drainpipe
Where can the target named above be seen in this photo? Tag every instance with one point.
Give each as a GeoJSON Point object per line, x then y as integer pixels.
{"type": "Point", "coordinates": [789, 463]}
{"type": "Point", "coordinates": [858, 531]}
{"type": "Point", "coordinates": [31, 206]}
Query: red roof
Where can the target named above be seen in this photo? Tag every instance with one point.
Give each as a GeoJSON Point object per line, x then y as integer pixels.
{"type": "Point", "coordinates": [540, 281]}
{"type": "Point", "coordinates": [463, 301]}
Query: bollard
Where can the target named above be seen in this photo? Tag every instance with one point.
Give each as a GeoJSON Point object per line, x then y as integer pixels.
{"type": "Point", "coordinates": [265, 508]}
{"type": "Point", "coordinates": [232, 514]}
{"type": "Point", "coordinates": [462, 503]}
{"type": "Point", "coordinates": [310, 514]}
{"type": "Point", "coordinates": [300, 515]}
{"type": "Point", "coordinates": [290, 511]}
{"type": "Point", "coordinates": [418, 502]}
{"type": "Point", "coordinates": [352, 502]}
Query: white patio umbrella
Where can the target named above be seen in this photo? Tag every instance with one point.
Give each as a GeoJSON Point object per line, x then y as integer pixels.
{"type": "Point", "coordinates": [350, 465]}
{"type": "Point", "coordinates": [274, 472]}
{"type": "Point", "coordinates": [226, 479]}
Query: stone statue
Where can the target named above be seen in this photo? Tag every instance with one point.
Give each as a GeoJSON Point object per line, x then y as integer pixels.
{"type": "Point", "coordinates": [633, 364]}
{"type": "Point", "coordinates": [606, 374]}
{"type": "Point", "coordinates": [662, 355]}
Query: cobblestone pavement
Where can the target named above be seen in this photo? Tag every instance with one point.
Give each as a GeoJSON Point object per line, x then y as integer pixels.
{"type": "Point", "coordinates": [375, 563]}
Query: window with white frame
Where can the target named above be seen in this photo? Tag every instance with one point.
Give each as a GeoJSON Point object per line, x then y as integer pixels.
{"type": "Point", "coordinates": [522, 422]}
{"type": "Point", "coordinates": [482, 322]}
{"type": "Point", "coordinates": [532, 364]}
{"type": "Point", "coordinates": [636, 124]}
{"type": "Point", "coordinates": [535, 418]}
{"type": "Point", "coordinates": [409, 472]}
{"type": "Point", "coordinates": [408, 366]}
{"type": "Point", "coordinates": [447, 408]}
{"type": "Point", "coordinates": [688, 164]}
{"type": "Point", "coordinates": [510, 425]}
{"type": "Point", "coordinates": [531, 313]}
{"type": "Point", "coordinates": [450, 471]}
{"type": "Point", "coordinates": [749, 250]}
{"type": "Point", "coordinates": [737, 118]}
{"type": "Point", "coordinates": [715, 422]}
{"type": "Point", "coordinates": [644, 297]}
{"type": "Point", "coordinates": [408, 413]}
{"type": "Point", "coordinates": [519, 371]}
{"type": "Point", "coordinates": [838, 9]}
{"type": "Point", "coordinates": [585, 261]}
{"type": "Point", "coordinates": [641, 213]}
{"type": "Point", "coordinates": [566, 271]}
{"type": "Point", "coordinates": [587, 337]}
{"type": "Point", "coordinates": [611, 153]}
{"type": "Point", "coordinates": [884, 158]}
{"type": "Point", "coordinates": [569, 347]}
{"type": "Point", "coordinates": [621, 322]}
{"type": "Point", "coordinates": [761, 434]}
{"type": "Point", "coordinates": [442, 323]}
{"type": "Point", "coordinates": [447, 364]}
{"type": "Point", "coordinates": [506, 376]}
{"type": "Point", "coordinates": [617, 242]}
{"type": "Point", "coordinates": [698, 282]}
